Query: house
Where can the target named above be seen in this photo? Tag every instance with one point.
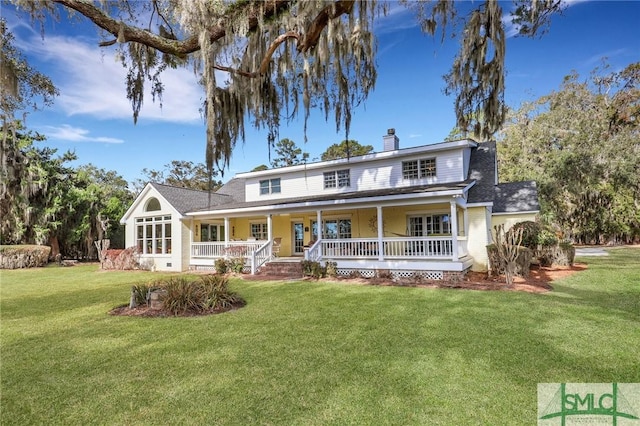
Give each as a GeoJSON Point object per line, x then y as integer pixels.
{"type": "Point", "coordinates": [426, 210]}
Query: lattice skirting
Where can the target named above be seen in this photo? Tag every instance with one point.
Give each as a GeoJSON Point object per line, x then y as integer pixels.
{"type": "Point", "coordinates": [427, 275]}
{"type": "Point", "coordinates": [202, 268]}
{"type": "Point", "coordinates": [395, 275]}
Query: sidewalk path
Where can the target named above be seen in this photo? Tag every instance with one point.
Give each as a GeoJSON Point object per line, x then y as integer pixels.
{"type": "Point", "coordinates": [591, 251]}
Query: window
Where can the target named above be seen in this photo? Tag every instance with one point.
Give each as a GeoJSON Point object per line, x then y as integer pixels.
{"type": "Point", "coordinates": [270, 186]}
{"type": "Point", "coordinates": [152, 205]}
{"type": "Point", "coordinates": [153, 235]}
{"type": "Point", "coordinates": [437, 224]}
{"type": "Point", "coordinates": [339, 179]}
{"type": "Point", "coordinates": [419, 169]}
{"type": "Point", "coordinates": [259, 231]}
{"type": "Point", "coordinates": [333, 229]}
{"type": "Point", "coordinates": [410, 169]}
{"type": "Point", "coordinates": [428, 167]}
{"type": "Point", "coordinates": [211, 232]}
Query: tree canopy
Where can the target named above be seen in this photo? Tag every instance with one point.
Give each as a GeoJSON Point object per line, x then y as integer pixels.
{"type": "Point", "coordinates": [180, 173]}
{"type": "Point", "coordinates": [288, 154]}
{"type": "Point", "coordinates": [581, 144]}
{"type": "Point", "coordinates": [345, 149]}
{"type": "Point", "coordinates": [282, 58]}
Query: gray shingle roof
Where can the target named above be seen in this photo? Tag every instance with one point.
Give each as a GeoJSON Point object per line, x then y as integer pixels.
{"type": "Point", "coordinates": [234, 188]}
{"type": "Point", "coordinates": [482, 169]}
{"type": "Point", "coordinates": [185, 200]}
{"type": "Point", "coordinates": [346, 195]}
{"type": "Point", "coordinates": [516, 197]}
{"type": "Point", "coordinates": [510, 197]}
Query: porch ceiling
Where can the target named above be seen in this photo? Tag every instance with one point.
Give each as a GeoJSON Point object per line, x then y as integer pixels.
{"type": "Point", "coordinates": [393, 196]}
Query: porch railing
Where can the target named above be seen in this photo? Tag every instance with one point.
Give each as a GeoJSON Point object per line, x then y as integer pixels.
{"type": "Point", "coordinates": [260, 256]}
{"type": "Point", "coordinates": [393, 248]}
{"type": "Point", "coordinates": [259, 252]}
{"type": "Point", "coordinates": [222, 249]}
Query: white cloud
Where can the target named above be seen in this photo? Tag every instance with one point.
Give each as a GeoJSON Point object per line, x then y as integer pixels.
{"type": "Point", "coordinates": [415, 135]}
{"type": "Point", "coordinates": [75, 134]}
{"type": "Point", "coordinates": [397, 18]}
{"type": "Point", "coordinates": [604, 56]}
{"type": "Point", "coordinates": [91, 82]}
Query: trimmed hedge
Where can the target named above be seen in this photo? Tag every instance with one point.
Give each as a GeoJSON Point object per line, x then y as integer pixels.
{"type": "Point", "coordinates": [523, 261]}
{"type": "Point", "coordinates": [24, 256]}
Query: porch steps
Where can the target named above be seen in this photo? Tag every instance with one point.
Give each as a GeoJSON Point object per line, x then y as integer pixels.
{"type": "Point", "coordinates": [281, 269]}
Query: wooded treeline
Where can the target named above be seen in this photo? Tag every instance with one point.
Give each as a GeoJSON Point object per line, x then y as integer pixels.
{"type": "Point", "coordinates": [47, 201]}
{"type": "Point", "coordinates": [581, 144]}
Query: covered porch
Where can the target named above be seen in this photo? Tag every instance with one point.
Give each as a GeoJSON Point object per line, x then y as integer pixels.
{"type": "Point", "coordinates": [427, 234]}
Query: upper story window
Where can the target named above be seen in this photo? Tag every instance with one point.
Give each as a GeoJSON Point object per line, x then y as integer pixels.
{"type": "Point", "coordinates": [270, 186]}
{"type": "Point", "coordinates": [418, 169]}
{"type": "Point", "coordinates": [337, 179]}
{"type": "Point", "coordinates": [152, 205]}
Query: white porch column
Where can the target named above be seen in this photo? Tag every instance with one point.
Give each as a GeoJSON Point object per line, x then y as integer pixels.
{"type": "Point", "coordinates": [319, 224]}
{"type": "Point", "coordinates": [380, 234]}
{"type": "Point", "coordinates": [465, 217]}
{"type": "Point", "coordinates": [191, 237]}
{"type": "Point", "coordinates": [226, 231]}
{"type": "Point", "coordinates": [454, 229]}
{"type": "Point", "coordinates": [269, 227]}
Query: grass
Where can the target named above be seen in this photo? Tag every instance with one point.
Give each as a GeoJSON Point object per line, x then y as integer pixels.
{"type": "Point", "coordinates": [310, 353]}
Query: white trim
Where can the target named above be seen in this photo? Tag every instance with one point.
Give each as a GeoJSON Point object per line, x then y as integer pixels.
{"type": "Point", "coordinates": [433, 148]}
{"type": "Point", "coordinates": [469, 205]}
{"type": "Point", "coordinates": [144, 196]}
{"type": "Point", "coordinates": [418, 198]}
{"type": "Point", "coordinates": [514, 213]}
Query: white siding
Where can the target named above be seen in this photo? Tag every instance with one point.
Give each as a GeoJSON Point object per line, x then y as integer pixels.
{"type": "Point", "coordinates": [159, 262]}
{"type": "Point", "coordinates": [478, 237]}
{"type": "Point", "coordinates": [371, 175]}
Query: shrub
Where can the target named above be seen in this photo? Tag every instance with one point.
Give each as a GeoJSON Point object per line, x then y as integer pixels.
{"type": "Point", "coordinates": [530, 232]}
{"type": "Point", "coordinates": [332, 269]}
{"type": "Point", "coordinates": [25, 256]}
{"type": "Point", "coordinates": [181, 296]}
{"type": "Point", "coordinates": [547, 238]}
{"type": "Point", "coordinates": [522, 261]}
{"type": "Point", "coordinates": [221, 265]}
{"type": "Point", "coordinates": [236, 264]}
{"type": "Point", "coordinates": [139, 295]}
{"type": "Point", "coordinates": [355, 274]}
{"type": "Point", "coordinates": [208, 293]}
{"type": "Point", "coordinates": [384, 274]}
{"type": "Point", "coordinates": [217, 294]}
{"type": "Point", "coordinates": [535, 234]}
{"type": "Point", "coordinates": [561, 254]}
{"type": "Point", "coordinates": [313, 269]}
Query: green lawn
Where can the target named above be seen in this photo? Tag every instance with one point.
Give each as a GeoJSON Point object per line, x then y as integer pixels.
{"type": "Point", "coordinates": [310, 353]}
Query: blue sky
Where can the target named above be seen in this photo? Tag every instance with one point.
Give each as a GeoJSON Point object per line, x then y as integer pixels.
{"type": "Point", "coordinates": [93, 117]}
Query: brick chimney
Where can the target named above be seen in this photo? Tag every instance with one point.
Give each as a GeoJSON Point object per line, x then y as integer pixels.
{"type": "Point", "coordinates": [390, 141]}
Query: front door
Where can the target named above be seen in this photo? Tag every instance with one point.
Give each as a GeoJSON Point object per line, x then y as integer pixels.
{"type": "Point", "coordinates": [298, 239]}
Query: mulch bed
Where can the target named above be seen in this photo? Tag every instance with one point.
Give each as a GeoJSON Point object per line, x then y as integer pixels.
{"type": "Point", "coordinates": [538, 282]}
{"type": "Point", "coordinates": [145, 311]}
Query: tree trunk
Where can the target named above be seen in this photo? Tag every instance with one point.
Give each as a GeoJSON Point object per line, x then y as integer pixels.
{"type": "Point", "coordinates": [55, 247]}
